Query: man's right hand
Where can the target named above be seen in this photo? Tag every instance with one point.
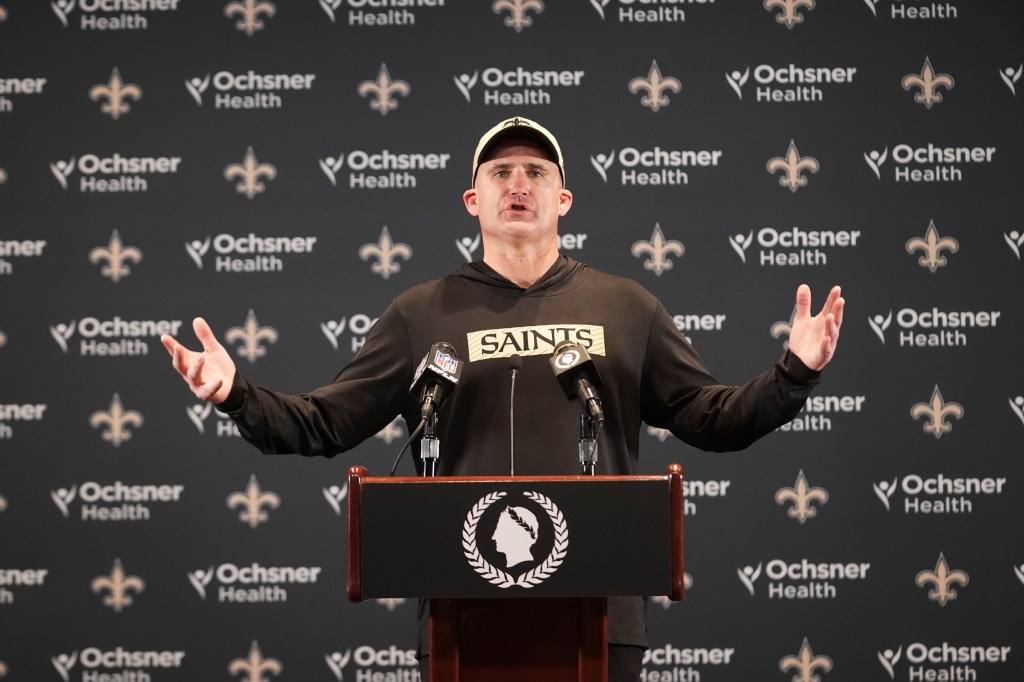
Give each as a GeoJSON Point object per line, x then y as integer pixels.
{"type": "Point", "coordinates": [209, 373]}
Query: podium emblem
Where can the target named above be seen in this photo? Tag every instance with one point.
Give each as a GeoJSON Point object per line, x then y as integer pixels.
{"type": "Point", "coordinates": [516, 531]}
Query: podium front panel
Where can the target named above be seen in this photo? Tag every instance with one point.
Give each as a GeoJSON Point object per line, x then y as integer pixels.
{"type": "Point", "coordinates": [578, 536]}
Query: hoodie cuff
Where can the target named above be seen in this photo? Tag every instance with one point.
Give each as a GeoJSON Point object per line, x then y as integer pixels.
{"type": "Point", "coordinates": [795, 369]}
{"type": "Point", "coordinates": [236, 396]}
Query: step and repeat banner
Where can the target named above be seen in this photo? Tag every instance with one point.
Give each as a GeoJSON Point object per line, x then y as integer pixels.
{"type": "Point", "coordinates": [284, 168]}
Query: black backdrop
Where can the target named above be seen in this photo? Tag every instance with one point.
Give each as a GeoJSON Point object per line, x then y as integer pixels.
{"type": "Point", "coordinates": [106, 461]}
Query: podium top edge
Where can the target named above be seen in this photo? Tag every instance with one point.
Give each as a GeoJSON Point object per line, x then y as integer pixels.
{"type": "Point", "coordinates": [369, 480]}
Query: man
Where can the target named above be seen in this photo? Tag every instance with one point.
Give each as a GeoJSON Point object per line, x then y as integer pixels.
{"type": "Point", "coordinates": [522, 299]}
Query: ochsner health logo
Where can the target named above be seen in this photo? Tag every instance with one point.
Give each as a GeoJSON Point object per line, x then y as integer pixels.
{"type": "Point", "coordinates": [117, 663]}
{"type": "Point", "coordinates": [251, 584]}
{"type": "Point", "coordinates": [629, 13]}
{"type": "Point", "coordinates": [938, 494]}
{"type": "Point", "coordinates": [374, 664]}
{"type": "Point", "coordinates": [382, 170]}
{"type": "Point", "coordinates": [249, 90]}
{"type": "Point", "coordinates": [795, 246]}
{"type": "Point", "coordinates": [247, 253]}
{"type": "Point", "coordinates": [111, 338]}
{"type": "Point", "coordinates": [927, 163]}
{"type": "Point", "coordinates": [790, 83]}
{"type": "Point", "coordinates": [802, 579]}
{"type": "Point", "coordinates": [945, 661]}
{"type": "Point", "coordinates": [516, 86]}
{"type": "Point", "coordinates": [654, 166]}
{"type": "Point", "coordinates": [111, 15]}
{"type": "Point", "coordinates": [114, 173]}
{"type": "Point", "coordinates": [933, 328]}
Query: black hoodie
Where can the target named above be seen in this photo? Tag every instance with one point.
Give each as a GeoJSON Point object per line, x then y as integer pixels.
{"type": "Point", "coordinates": [650, 374]}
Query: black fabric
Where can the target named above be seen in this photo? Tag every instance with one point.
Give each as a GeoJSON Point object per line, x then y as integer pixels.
{"type": "Point", "coordinates": [650, 374]}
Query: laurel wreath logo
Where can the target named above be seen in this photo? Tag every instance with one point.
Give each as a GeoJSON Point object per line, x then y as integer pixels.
{"type": "Point", "coordinates": [495, 575]}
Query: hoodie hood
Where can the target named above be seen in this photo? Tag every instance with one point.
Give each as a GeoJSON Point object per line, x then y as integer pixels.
{"type": "Point", "coordinates": [558, 279]}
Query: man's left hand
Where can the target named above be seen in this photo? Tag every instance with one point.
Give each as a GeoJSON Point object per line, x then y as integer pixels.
{"type": "Point", "coordinates": [813, 338]}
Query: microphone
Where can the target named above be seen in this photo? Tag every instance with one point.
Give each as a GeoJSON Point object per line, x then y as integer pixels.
{"type": "Point", "coordinates": [515, 365]}
{"type": "Point", "coordinates": [436, 377]}
{"type": "Point", "coordinates": [578, 377]}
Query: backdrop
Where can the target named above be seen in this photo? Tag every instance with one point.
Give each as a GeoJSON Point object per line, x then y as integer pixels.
{"type": "Point", "coordinates": [286, 168]}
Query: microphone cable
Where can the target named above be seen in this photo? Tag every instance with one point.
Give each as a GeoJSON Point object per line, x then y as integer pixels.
{"type": "Point", "coordinates": [515, 364]}
{"type": "Point", "coordinates": [416, 432]}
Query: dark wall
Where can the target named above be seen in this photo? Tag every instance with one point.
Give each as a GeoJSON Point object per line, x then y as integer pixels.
{"type": "Point", "coordinates": [118, 223]}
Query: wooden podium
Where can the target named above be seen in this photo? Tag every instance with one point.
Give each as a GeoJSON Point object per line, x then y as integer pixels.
{"type": "Point", "coordinates": [517, 569]}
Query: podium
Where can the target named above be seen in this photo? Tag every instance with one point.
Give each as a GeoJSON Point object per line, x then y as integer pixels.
{"type": "Point", "coordinates": [517, 569]}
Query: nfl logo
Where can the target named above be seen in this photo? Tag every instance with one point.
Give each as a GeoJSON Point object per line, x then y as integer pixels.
{"type": "Point", "coordinates": [445, 362]}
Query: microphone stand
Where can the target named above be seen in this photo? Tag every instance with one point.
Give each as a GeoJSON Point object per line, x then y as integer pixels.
{"type": "Point", "coordinates": [588, 444]}
{"type": "Point", "coordinates": [430, 446]}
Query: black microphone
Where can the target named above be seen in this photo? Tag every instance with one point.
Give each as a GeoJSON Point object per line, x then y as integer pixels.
{"type": "Point", "coordinates": [578, 377]}
{"type": "Point", "coordinates": [436, 377]}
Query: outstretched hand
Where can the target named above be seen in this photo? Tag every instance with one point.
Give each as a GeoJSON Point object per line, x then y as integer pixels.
{"type": "Point", "coordinates": [209, 373]}
{"type": "Point", "coordinates": [813, 338]}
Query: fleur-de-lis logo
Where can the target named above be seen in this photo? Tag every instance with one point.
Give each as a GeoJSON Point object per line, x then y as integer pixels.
{"type": "Point", "coordinates": [392, 432]}
{"type": "Point", "coordinates": [118, 584]}
{"type": "Point", "coordinates": [932, 245]}
{"type": "Point", "coordinates": [943, 579]}
{"type": "Point", "coordinates": [254, 665]}
{"type": "Point", "coordinates": [782, 328]}
{"type": "Point", "coordinates": [805, 663]}
{"type": "Point", "coordinates": [117, 421]}
{"type": "Point", "coordinates": [249, 172]}
{"type": "Point", "coordinates": [937, 410]}
{"type": "Point", "coordinates": [250, 11]}
{"type": "Point", "coordinates": [658, 249]}
{"type": "Point", "coordinates": [789, 11]}
{"type": "Point", "coordinates": [517, 9]}
{"type": "Point", "coordinates": [383, 90]}
{"type": "Point", "coordinates": [793, 166]}
{"type": "Point", "coordinates": [252, 502]}
{"type": "Point", "coordinates": [801, 496]}
{"type": "Point", "coordinates": [655, 86]}
{"type": "Point", "coordinates": [928, 82]}
{"type": "Point", "coordinates": [117, 256]}
{"type": "Point", "coordinates": [116, 92]}
{"type": "Point", "coordinates": [252, 337]}
{"type": "Point", "coordinates": [384, 253]}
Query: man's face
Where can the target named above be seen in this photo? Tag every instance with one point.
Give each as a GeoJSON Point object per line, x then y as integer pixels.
{"type": "Point", "coordinates": [518, 195]}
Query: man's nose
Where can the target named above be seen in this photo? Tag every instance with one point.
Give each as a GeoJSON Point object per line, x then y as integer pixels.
{"type": "Point", "coordinates": [518, 182]}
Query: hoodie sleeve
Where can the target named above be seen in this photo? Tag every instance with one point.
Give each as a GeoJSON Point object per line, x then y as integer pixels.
{"type": "Point", "coordinates": [364, 397]}
{"type": "Point", "coordinates": [681, 395]}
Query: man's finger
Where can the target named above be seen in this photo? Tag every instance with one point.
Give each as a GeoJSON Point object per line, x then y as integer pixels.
{"type": "Point", "coordinates": [803, 300]}
{"type": "Point", "coordinates": [837, 311]}
{"type": "Point", "coordinates": [179, 359]}
{"type": "Point", "coordinates": [205, 335]}
{"type": "Point", "coordinates": [196, 370]}
{"type": "Point", "coordinates": [169, 343]}
{"type": "Point", "coordinates": [207, 391]}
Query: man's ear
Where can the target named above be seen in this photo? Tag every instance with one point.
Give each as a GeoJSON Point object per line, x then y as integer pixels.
{"type": "Point", "coordinates": [564, 201]}
{"type": "Point", "coordinates": [469, 199]}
